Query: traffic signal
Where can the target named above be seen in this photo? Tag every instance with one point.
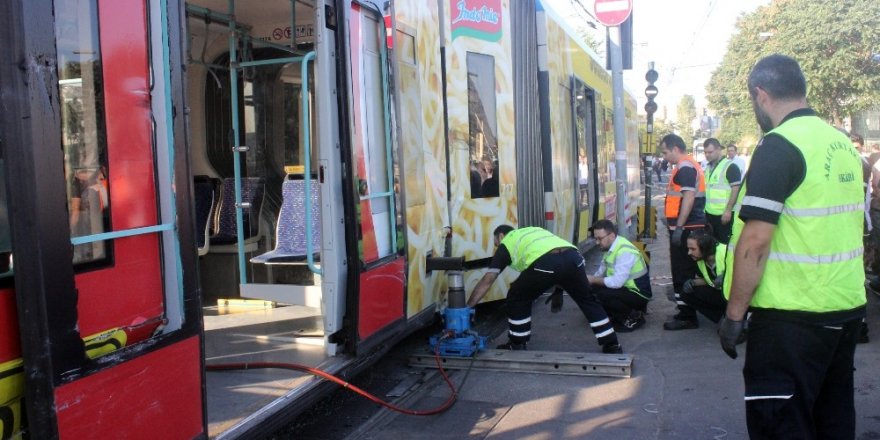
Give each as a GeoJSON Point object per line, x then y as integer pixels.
{"type": "Point", "coordinates": [650, 92]}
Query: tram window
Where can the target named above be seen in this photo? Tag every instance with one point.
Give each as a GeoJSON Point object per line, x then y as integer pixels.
{"type": "Point", "coordinates": [482, 125]}
{"type": "Point", "coordinates": [582, 119]}
{"type": "Point", "coordinates": [82, 125]}
{"type": "Point", "coordinates": [411, 126]}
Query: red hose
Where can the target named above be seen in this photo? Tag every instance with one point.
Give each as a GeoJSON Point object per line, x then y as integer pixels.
{"type": "Point", "coordinates": [347, 385]}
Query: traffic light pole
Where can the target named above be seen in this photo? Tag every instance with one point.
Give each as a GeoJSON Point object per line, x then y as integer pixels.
{"type": "Point", "coordinates": [650, 107]}
{"type": "Point", "coordinates": [619, 129]}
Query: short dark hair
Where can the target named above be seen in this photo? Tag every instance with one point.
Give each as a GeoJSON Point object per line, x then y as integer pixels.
{"type": "Point", "coordinates": [780, 76]}
{"type": "Point", "coordinates": [605, 225]}
{"type": "Point", "coordinates": [712, 141]}
{"type": "Point", "coordinates": [674, 141]}
{"type": "Point", "coordinates": [503, 229]}
{"type": "Point", "coordinates": [732, 145]}
{"type": "Point", "coordinates": [857, 138]}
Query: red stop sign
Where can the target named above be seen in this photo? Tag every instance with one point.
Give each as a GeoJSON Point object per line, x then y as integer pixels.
{"type": "Point", "coordinates": [612, 12]}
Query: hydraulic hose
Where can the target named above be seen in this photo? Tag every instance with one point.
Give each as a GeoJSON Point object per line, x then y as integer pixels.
{"type": "Point", "coordinates": [349, 386]}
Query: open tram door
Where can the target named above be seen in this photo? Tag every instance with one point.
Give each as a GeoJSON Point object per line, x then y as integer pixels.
{"type": "Point", "coordinates": [583, 101]}
{"type": "Point", "coordinates": [109, 340]}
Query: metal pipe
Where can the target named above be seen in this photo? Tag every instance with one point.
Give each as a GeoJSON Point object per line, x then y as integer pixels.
{"type": "Point", "coordinates": [236, 160]}
{"type": "Point", "coordinates": [269, 62]}
{"type": "Point", "coordinates": [307, 147]}
{"type": "Point", "coordinates": [455, 296]}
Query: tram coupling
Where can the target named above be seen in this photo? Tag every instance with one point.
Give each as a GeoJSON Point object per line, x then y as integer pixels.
{"type": "Point", "coordinates": [457, 338]}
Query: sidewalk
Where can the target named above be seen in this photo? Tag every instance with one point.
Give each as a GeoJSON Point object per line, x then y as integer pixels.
{"type": "Point", "coordinates": [683, 385]}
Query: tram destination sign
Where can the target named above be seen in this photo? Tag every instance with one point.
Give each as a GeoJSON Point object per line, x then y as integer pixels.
{"type": "Point", "coordinates": [612, 12]}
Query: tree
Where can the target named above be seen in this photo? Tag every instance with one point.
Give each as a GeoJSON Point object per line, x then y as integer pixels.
{"type": "Point", "coordinates": [686, 113]}
{"type": "Point", "coordinates": [833, 40]}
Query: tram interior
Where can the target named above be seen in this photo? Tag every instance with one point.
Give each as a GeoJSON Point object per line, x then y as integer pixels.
{"type": "Point", "coordinates": [271, 125]}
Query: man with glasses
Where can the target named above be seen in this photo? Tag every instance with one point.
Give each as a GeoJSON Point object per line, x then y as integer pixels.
{"type": "Point", "coordinates": [543, 260]}
{"type": "Point", "coordinates": [622, 280]}
{"type": "Point", "coordinates": [723, 180]}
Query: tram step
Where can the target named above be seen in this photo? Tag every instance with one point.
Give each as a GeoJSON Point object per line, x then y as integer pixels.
{"type": "Point", "coordinates": [544, 362]}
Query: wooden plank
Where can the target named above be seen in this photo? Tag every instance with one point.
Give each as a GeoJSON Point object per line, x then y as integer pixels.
{"type": "Point", "coordinates": [542, 362]}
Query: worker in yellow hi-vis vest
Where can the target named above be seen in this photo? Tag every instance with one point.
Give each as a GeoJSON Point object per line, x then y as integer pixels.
{"type": "Point", "coordinates": [797, 265]}
{"type": "Point", "coordinates": [543, 260]}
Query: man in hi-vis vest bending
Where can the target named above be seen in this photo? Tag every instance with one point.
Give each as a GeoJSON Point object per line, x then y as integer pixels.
{"type": "Point", "coordinates": [797, 265]}
{"type": "Point", "coordinates": [543, 260]}
{"type": "Point", "coordinates": [685, 201]}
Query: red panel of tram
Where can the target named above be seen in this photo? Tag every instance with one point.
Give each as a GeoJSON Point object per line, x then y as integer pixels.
{"type": "Point", "coordinates": [131, 290]}
{"type": "Point", "coordinates": [10, 344]}
{"type": "Point", "coordinates": [381, 298]}
{"type": "Point", "coordinates": [155, 396]}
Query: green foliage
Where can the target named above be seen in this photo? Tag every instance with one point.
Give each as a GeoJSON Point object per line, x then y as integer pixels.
{"type": "Point", "coordinates": [833, 40]}
{"type": "Point", "coordinates": [686, 113]}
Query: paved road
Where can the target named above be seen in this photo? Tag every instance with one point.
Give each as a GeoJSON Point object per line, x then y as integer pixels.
{"type": "Point", "coordinates": [683, 386]}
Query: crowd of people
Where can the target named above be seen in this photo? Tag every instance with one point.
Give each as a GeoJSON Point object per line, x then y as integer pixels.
{"type": "Point", "coordinates": [776, 255]}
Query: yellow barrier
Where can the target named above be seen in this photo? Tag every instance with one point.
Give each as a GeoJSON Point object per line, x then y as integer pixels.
{"type": "Point", "coordinates": [652, 224]}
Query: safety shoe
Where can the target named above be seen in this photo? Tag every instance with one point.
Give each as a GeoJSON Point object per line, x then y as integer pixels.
{"type": "Point", "coordinates": [512, 346]}
{"type": "Point", "coordinates": [612, 349]}
{"type": "Point", "coordinates": [680, 324]}
{"type": "Point", "coordinates": [632, 323]}
{"type": "Point", "coordinates": [873, 286]}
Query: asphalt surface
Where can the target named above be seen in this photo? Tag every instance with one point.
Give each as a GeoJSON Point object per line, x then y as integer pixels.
{"type": "Point", "coordinates": [683, 386]}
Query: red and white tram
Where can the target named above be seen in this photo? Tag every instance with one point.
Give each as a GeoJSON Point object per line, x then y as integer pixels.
{"type": "Point", "coordinates": [162, 160]}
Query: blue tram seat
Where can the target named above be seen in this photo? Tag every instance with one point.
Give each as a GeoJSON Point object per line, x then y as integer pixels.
{"type": "Point", "coordinates": [225, 238]}
{"type": "Point", "coordinates": [290, 241]}
{"type": "Point", "coordinates": [205, 204]}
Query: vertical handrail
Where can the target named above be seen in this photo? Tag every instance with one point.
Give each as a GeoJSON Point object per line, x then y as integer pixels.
{"type": "Point", "coordinates": [307, 146]}
{"type": "Point", "coordinates": [236, 161]}
{"type": "Point", "coordinates": [389, 168]}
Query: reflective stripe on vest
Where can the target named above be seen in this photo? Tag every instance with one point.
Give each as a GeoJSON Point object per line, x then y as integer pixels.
{"type": "Point", "coordinates": [815, 261]}
{"type": "Point", "coordinates": [673, 190]}
{"type": "Point", "coordinates": [525, 245]}
{"type": "Point", "coordinates": [720, 265]}
{"type": "Point", "coordinates": [718, 188]}
{"type": "Point", "coordinates": [639, 268]}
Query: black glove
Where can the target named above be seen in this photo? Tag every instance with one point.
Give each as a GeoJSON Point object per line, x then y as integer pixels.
{"type": "Point", "coordinates": [555, 301]}
{"type": "Point", "coordinates": [676, 236]}
{"type": "Point", "coordinates": [730, 332]}
{"type": "Point", "coordinates": [719, 281]}
{"type": "Point", "coordinates": [688, 286]}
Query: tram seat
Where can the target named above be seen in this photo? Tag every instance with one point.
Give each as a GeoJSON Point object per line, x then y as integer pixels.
{"type": "Point", "coordinates": [205, 203]}
{"type": "Point", "coordinates": [290, 241]}
{"type": "Point", "coordinates": [225, 239]}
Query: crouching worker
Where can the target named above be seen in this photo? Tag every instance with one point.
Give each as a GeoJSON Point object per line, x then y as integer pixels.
{"type": "Point", "coordinates": [622, 280]}
{"type": "Point", "coordinates": [543, 260]}
{"type": "Point", "coordinates": [704, 293]}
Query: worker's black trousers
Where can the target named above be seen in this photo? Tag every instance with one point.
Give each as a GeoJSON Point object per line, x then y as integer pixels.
{"type": "Point", "coordinates": [707, 300]}
{"type": "Point", "coordinates": [566, 269]}
{"type": "Point", "coordinates": [620, 303]}
{"type": "Point", "coordinates": [683, 268]}
{"type": "Point", "coordinates": [799, 379]}
{"type": "Point", "coordinates": [720, 231]}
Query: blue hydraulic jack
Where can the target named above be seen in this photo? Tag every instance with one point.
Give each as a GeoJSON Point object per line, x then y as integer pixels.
{"type": "Point", "coordinates": [457, 338]}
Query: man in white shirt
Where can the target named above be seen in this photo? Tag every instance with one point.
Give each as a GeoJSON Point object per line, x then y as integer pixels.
{"type": "Point", "coordinates": [737, 160]}
{"type": "Point", "coordinates": [622, 283]}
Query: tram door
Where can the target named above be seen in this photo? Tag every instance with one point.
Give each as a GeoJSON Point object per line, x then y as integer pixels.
{"type": "Point", "coordinates": [380, 295]}
{"type": "Point", "coordinates": [584, 114]}
{"type": "Point", "coordinates": [110, 331]}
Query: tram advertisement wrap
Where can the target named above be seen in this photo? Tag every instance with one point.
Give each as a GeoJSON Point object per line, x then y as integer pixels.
{"type": "Point", "coordinates": [477, 19]}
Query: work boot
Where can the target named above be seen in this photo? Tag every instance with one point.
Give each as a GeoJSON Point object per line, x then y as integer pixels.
{"type": "Point", "coordinates": [614, 348]}
{"type": "Point", "coordinates": [512, 346]}
{"type": "Point", "coordinates": [681, 324]}
{"type": "Point", "coordinates": [635, 320]}
{"type": "Point", "coordinates": [555, 301]}
{"type": "Point", "coordinates": [863, 334]}
{"type": "Point", "coordinates": [873, 286]}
